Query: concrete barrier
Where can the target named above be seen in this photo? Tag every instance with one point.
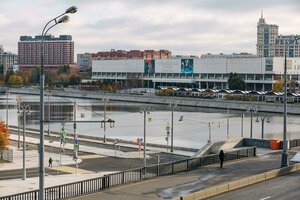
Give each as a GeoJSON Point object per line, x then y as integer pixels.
{"type": "Point", "coordinates": [233, 185]}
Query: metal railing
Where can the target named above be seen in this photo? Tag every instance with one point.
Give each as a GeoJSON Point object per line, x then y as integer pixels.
{"type": "Point", "coordinates": [130, 176]}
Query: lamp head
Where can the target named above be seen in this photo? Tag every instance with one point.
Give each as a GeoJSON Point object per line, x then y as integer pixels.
{"type": "Point", "coordinates": [72, 10]}
{"type": "Point", "coordinates": [63, 19]}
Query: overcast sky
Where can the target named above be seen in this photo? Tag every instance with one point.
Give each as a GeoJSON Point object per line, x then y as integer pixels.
{"type": "Point", "coordinates": [186, 27]}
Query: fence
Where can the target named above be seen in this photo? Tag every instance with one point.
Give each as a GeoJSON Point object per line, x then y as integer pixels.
{"type": "Point", "coordinates": [130, 176]}
{"type": "Point", "coordinates": [294, 143]}
{"type": "Point", "coordinates": [7, 154]}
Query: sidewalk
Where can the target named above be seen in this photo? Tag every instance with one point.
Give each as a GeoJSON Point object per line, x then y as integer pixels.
{"type": "Point", "coordinates": [169, 187]}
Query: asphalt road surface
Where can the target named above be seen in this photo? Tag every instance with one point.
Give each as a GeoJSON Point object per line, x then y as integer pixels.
{"type": "Point", "coordinates": [282, 188]}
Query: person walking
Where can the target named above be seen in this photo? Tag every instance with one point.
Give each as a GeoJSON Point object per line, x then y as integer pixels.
{"type": "Point", "coordinates": [50, 162]}
{"type": "Point", "coordinates": [221, 156]}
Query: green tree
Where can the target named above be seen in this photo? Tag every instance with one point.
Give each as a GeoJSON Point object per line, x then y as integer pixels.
{"type": "Point", "coordinates": [35, 76]}
{"type": "Point", "coordinates": [1, 70]}
{"type": "Point", "coordinates": [235, 82]}
{"type": "Point", "coordinates": [8, 74]}
{"type": "Point", "coordinates": [75, 80]}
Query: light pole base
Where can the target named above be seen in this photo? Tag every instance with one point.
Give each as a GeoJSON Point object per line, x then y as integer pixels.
{"type": "Point", "coordinates": [284, 160]}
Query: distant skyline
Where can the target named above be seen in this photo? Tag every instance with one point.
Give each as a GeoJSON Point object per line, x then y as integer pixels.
{"type": "Point", "coordinates": [191, 27]}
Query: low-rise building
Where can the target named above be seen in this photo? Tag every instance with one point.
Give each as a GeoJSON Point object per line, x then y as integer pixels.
{"type": "Point", "coordinates": [259, 73]}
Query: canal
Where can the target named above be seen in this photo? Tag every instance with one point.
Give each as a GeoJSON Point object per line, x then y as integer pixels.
{"type": "Point", "coordinates": [192, 131]}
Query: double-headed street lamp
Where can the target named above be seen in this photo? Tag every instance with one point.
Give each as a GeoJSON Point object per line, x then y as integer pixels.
{"type": "Point", "coordinates": [262, 118]}
{"type": "Point", "coordinates": [145, 110]}
{"type": "Point", "coordinates": [251, 110]}
{"type": "Point", "coordinates": [19, 100]}
{"type": "Point", "coordinates": [62, 18]}
{"type": "Point", "coordinates": [25, 110]}
{"type": "Point", "coordinates": [172, 106]}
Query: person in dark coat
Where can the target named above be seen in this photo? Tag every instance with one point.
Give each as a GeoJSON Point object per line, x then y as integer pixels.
{"type": "Point", "coordinates": [221, 156]}
{"type": "Point", "coordinates": [50, 162]}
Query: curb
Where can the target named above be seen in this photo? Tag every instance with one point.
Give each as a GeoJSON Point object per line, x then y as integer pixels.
{"type": "Point", "coordinates": [233, 185]}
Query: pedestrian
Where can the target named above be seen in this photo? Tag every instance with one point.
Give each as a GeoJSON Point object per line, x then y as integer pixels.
{"type": "Point", "coordinates": [50, 162]}
{"type": "Point", "coordinates": [221, 156]}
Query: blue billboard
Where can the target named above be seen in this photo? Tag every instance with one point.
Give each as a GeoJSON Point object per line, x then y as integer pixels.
{"type": "Point", "coordinates": [187, 66]}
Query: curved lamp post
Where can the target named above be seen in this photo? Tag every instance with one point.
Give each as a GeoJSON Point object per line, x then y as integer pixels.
{"type": "Point", "coordinates": [62, 18]}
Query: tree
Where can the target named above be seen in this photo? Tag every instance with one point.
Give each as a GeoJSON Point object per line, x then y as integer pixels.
{"type": "Point", "coordinates": [278, 86]}
{"type": "Point", "coordinates": [15, 80]}
{"type": "Point", "coordinates": [8, 74]}
{"type": "Point", "coordinates": [4, 136]}
{"type": "Point", "coordinates": [235, 82]}
{"type": "Point", "coordinates": [1, 70]}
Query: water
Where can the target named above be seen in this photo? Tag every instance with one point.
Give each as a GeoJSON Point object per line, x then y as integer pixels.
{"type": "Point", "coordinates": [193, 131]}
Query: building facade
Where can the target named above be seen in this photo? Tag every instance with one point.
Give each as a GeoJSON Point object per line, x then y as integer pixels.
{"type": "Point", "coordinates": [132, 54]}
{"type": "Point", "coordinates": [58, 51]}
{"type": "Point", "coordinates": [259, 73]}
{"type": "Point", "coordinates": [271, 44]}
{"type": "Point", "coordinates": [266, 38]}
{"type": "Point", "coordinates": [84, 61]}
{"type": "Point", "coordinates": [7, 59]}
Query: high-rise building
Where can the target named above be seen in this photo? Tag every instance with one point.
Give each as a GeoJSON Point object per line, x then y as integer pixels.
{"type": "Point", "coordinates": [266, 38]}
{"type": "Point", "coordinates": [58, 51]}
{"type": "Point", "coordinates": [270, 44]}
{"type": "Point", "coordinates": [7, 59]}
{"type": "Point", "coordinates": [84, 61]}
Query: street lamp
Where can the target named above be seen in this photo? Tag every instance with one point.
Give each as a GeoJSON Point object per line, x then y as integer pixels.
{"type": "Point", "coordinates": [168, 135]}
{"type": "Point", "coordinates": [19, 100]}
{"type": "Point", "coordinates": [172, 106]}
{"type": "Point", "coordinates": [262, 118]}
{"type": "Point", "coordinates": [251, 110]}
{"type": "Point", "coordinates": [7, 93]}
{"type": "Point", "coordinates": [49, 110]}
{"type": "Point", "coordinates": [105, 100]}
{"type": "Point", "coordinates": [145, 110]}
{"type": "Point", "coordinates": [25, 110]}
{"type": "Point", "coordinates": [62, 18]}
{"type": "Point", "coordinates": [242, 122]}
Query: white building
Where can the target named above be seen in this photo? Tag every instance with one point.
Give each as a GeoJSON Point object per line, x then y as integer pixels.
{"type": "Point", "coordinates": [7, 59]}
{"type": "Point", "coordinates": [259, 73]}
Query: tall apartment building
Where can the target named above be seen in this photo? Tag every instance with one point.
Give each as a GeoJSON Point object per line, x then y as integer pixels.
{"type": "Point", "coordinates": [266, 38]}
{"type": "Point", "coordinates": [84, 61]}
{"type": "Point", "coordinates": [132, 54]}
{"type": "Point", "coordinates": [271, 44]}
{"type": "Point", "coordinates": [7, 59]}
{"type": "Point", "coordinates": [58, 51]}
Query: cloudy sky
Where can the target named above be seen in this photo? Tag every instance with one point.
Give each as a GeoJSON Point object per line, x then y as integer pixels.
{"type": "Point", "coordinates": [186, 27]}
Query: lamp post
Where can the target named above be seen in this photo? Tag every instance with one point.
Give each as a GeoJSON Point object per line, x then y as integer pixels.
{"type": "Point", "coordinates": [105, 100]}
{"type": "Point", "coordinates": [168, 135]}
{"type": "Point", "coordinates": [7, 93]}
{"type": "Point", "coordinates": [62, 18]}
{"type": "Point", "coordinates": [49, 108]}
{"type": "Point", "coordinates": [227, 123]}
{"type": "Point", "coordinates": [262, 118]}
{"type": "Point", "coordinates": [145, 110]}
{"type": "Point", "coordinates": [19, 100]}
{"type": "Point", "coordinates": [25, 110]}
{"type": "Point", "coordinates": [284, 156]}
{"type": "Point", "coordinates": [172, 106]}
{"type": "Point", "coordinates": [252, 109]}
{"type": "Point", "coordinates": [242, 122]}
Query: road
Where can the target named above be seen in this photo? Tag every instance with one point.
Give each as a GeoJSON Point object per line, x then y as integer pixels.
{"type": "Point", "coordinates": [282, 188]}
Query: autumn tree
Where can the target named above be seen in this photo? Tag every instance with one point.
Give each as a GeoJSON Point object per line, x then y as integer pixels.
{"type": "Point", "coordinates": [4, 136]}
{"type": "Point", "coordinates": [278, 86]}
{"type": "Point", "coordinates": [15, 80]}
